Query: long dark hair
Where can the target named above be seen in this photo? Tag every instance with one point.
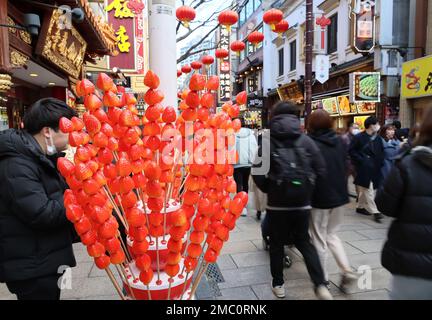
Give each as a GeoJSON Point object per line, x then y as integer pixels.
{"type": "Point", "coordinates": [383, 131]}
{"type": "Point", "coordinates": [425, 137]}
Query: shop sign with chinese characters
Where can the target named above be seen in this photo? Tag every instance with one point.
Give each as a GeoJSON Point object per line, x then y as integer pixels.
{"type": "Point", "coordinates": [224, 69]}
{"type": "Point", "coordinates": [63, 48]}
{"type": "Point", "coordinates": [129, 30]}
{"type": "Point", "coordinates": [417, 78]}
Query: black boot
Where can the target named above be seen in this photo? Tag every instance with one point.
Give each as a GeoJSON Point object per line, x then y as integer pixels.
{"type": "Point", "coordinates": [258, 215]}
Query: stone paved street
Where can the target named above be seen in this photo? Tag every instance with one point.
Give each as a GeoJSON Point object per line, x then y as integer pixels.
{"type": "Point", "coordinates": [244, 266]}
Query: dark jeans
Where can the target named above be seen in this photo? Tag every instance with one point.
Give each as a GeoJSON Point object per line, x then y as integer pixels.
{"type": "Point", "coordinates": [284, 225]}
{"type": "Point", "coordinates": [44, 288]}
{"type": "Point", "coordinates": [241, 177]}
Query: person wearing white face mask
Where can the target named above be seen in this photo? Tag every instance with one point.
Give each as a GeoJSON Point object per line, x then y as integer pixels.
{"type": "Point", "coordinates": [367, 154]}
{"type": "Point", "coordinates": [36, 237]}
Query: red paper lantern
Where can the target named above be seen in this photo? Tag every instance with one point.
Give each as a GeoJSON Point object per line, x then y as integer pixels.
{"type": "Point", "coordinates": [281, 27]}
{"type": "Point", "coordinates": [186, 68]}
{"type": "Point", "coordinates": [238, 46]}
{"type": "Point", "coordinates": [196, 65]}
{"type": "Point", "coordinates": [207, 60]}
{"type": "Point", "coordinates": [228, 18]}
{"type": "Point", "coordinates": [255, 37]}
{"type": "Point", "coordinates": [221, 53]}
{"type": "Point", "coordinates": [272, 17]}
{"type": "Point", "coordinates": [185, 14]}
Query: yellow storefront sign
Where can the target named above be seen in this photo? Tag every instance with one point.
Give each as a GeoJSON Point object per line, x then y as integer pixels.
{"type": "Point", "coordinates": [416, 79]}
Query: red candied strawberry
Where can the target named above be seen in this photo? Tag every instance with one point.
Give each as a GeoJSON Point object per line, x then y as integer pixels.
{"type": "Point", "coordinates": [78, 124]}
{"type": "Point", "coordinates": [65, 167]}
{"type": "Point", "coordinates": [113, 144]}
{"type": "Point", "coordinates": [207, 100]}
{"type": "Point", "coordinates": [169, 115]}
{"type": "Point", "coordinates": [130, 99]}
{"type": "Point", "coordinates": [107, 129]}
{"type": "Point", "coordinates": [82, 154]}
{"type": "Point", "coordinates": [74, 212]}
{"type": "Point", "coordinates": [126, 119]}
{"type": "Point", "coordinates": [143, 262]}
{"type": "Point", "coordinates": [92, 123]}
{"type": "Point", "coordinates": [104, 82]}
{"type": "Point", "coordinates": [92, 102]}
{"type": "Point", "coordinates": [124, 167]}
{"type": "Point", "coordinates": [102, 262]}
{"type": "Point", "coordinates": [193, 99]}
{"type": "Point", "coordinates": [100, 140]}
{"type": "Point", "coordinates": [85, 87]}
{"type": "Point", "coordinates": [105, 156]}
{"type": "Point", "coordinates": [152, 113]}
{"type": "Point", "coordinates": [118, 257]}
{"type": "Point", "coordinates": [91, 186]}
{"type": "Point", "coordinates": [151, 80]}
{"type": "Point", "coordinates": [66, 125]}
{"type": "Point", "coordinates": [101, 115]}
{"type": "Point", "coordinates": [110, 99]}
{"type": "Point", "coordinates": [153, 97]}
{"type": "Point", "coordinates": [114, 115]}
{"type": "Point", "coordinates": [83, 172]}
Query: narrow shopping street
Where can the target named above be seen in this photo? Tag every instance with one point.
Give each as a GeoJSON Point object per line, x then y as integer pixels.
{"type": "Point", "coordinates": [245, 271]}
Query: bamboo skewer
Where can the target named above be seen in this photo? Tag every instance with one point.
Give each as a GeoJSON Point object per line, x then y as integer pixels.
{"type": "Point", "coordinates": [184, 286]}
{"type": "Point", "coordinates": [127, 280]}
{"type": "Point", "coordinates": [148, 291]}
{"type": "Point", "coordinates": [169, 288]}
{"type": "Point", "coordinates": [114, 282]}
{"type": "Point", "coordinates": [198, 279]}
{"type": "Point", "coordinates": [157, 258]}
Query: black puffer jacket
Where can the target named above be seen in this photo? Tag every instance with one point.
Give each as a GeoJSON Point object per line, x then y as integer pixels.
{"type": "Point", "coordinates": [331, 190]}
{"type": "Point", "coordinates": [407, 196]}
{"type": "Point", "coordinates": [35, 236]}
{"type": "Point", "coordinates": [285, 128]}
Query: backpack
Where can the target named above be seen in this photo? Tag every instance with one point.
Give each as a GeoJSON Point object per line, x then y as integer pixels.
{"type": "Point", "coordinates": [291, 175]}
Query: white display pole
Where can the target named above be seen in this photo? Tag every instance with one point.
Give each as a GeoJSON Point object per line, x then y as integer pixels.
{"type": "Point", "coordinates": [163, 58]}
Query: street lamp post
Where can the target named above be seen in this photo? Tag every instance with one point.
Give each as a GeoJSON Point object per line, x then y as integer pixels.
{"type": "Point", "coordinates": [308, 53]}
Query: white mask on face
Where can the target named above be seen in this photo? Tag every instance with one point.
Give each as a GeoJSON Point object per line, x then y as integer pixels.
{"type": "Point", "coordinates": [51, 148]}
{"type": "Point", "coordinates": [377, 128]}
{"type": "Point", "coordinates": [355, 131]}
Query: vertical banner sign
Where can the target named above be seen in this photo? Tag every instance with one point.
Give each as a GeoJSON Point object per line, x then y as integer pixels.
{"type": "Point", "coordinates": [322, 65]}
{"type": "Point", "coordinates": [224, 69]}
{"type": "Point", "coordinates": [129, 29]}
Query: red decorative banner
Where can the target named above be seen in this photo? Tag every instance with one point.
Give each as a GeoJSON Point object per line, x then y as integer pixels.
{"type": "Point", "coordinates": [129, 28]}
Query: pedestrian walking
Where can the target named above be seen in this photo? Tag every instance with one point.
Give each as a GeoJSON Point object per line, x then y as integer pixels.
{"type": "Point", "coordinates": [367, 154]}
{"type": "Point", "coordinates": [36, 237]}
{"type": "Point", "coordinates": [295, 162]}
{"type": "Point", "coordinates": [246, 146]}
{"type": "Point", "coordinates": [391, 147]}
{"type": "Point", "coordinates": [407, 197]}
{"type": "Point", "coordinates": [347, 138]}
{"type": "Point", "coordinates": [330, 196]}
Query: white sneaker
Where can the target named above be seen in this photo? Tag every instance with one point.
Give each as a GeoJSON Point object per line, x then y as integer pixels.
{"type": "Point", "coordinates": [244, 212]}
{"type": "Point", "coordinates": [323, 293]}
{"type": "Point", "coordinates": [279, 291]}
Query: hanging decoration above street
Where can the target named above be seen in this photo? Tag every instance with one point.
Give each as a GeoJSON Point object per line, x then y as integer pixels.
{"type": "Point", "coordinates": [323, 22]}
{"type": "Point", "coordinates": [255, 38]}
{"type": "Point", "coordinates": [228, 18]}
{"type": "Point", "coordinates": [273, 17]}
{"type": "Point", "coordinates": [196, 65]}
{"type": "Point", "coordinates": [136, 6]}
{"type": "Point", "coordinates": [185, 14]}
{"type": "Point", "coordinates": [207, 60]}
{"type": "Point", "coordinates": [221, 53]}
{"type": "Point", "coordinates": [238, 46]}
{"type": "Point", "coordinates": [186, 69]}
{"type": "Point", "coordinates": [281, 27]}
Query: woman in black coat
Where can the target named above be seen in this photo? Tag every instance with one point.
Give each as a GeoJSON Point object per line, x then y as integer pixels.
{"type": "Point", "coordinates": [35, 235]}
{"type": "Point", "coordinates": [407, 197]}
{"type": "Point", "coordinates": [330, 196]}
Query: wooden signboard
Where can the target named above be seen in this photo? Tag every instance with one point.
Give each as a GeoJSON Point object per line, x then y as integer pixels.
{"type": "Point", "coordinates": [63, 48]}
